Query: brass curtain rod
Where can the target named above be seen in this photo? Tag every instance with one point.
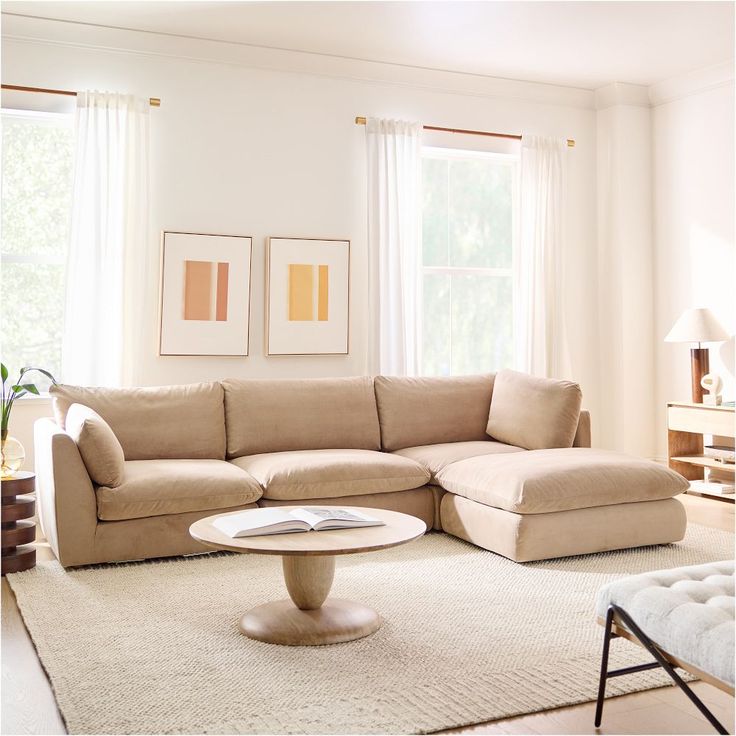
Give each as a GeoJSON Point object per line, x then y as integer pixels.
{"type": "Point", "coordinates": [152, 101]}
{"type": "Point", "coordinates": [570, 141]}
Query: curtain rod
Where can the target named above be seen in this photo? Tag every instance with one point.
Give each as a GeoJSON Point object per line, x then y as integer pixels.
{"type": "Point", "coordinates": [152, 101]}
{"type": "Point", "coordinates": [570, 142]}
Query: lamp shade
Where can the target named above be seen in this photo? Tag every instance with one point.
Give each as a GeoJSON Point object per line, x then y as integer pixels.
{"type": "Point", "coordinates": [697, 325]}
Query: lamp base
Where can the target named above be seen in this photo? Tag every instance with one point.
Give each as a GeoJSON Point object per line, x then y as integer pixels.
{"type": "Point", "coordinates": [699, 365]}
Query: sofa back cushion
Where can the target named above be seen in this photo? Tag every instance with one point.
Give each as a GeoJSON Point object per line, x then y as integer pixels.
{"type": "Point", "coordinates": [100, 449]}
{"type": "Point", "coordinates": [304, 414]}
{"type": "Point", "coordinates": [428, 411]}
{"type": "Point", "coordinates": [534, 413]}
{"type": "Point", "coordinates": [157, 422]}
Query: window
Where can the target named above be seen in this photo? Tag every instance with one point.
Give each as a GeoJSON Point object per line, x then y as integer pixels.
{"type": "Point", "coordinates": [37, 163]}
{"type": "Point", "coordinates": [468, 242]}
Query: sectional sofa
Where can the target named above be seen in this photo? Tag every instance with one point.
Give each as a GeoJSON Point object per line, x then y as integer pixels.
{"type": "Point", "coordinates": [503, 461]}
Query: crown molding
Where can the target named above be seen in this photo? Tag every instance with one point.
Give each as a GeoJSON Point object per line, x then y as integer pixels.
{"type": "Point", "coordinates": [621, 93]}
{"type": "Point", "coordinates": [26, 29]}
{"type": "Point", "coordinates": [692, 83]}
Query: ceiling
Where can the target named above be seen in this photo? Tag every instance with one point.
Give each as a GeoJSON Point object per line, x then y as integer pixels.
{"type": "Point", "coordinates": [580, 44]}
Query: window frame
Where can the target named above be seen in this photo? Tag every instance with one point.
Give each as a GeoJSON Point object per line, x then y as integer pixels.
{"type": "Point", "coordinates": [512, 160]}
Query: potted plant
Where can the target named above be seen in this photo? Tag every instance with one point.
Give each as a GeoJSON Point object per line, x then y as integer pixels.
{"type": "Point", "coordinates": [11, 449]}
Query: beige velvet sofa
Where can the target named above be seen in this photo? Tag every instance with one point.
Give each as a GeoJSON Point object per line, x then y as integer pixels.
{"type": "Point", "coordinates": [417, 445]}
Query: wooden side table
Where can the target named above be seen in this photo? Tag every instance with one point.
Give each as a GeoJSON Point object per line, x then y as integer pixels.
{"type": "Point", "coordinates": [17, 530]}
{"type": "Point", "coordinates": [686, 424]}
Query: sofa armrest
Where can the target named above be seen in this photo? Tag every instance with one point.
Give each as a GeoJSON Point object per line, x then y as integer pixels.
{"type": "Point", "coordinates": [582, 435]}
{"type": "Point", "coordinates": [67, 506]}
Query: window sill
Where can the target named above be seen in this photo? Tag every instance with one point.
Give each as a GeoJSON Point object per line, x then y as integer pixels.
{"type": "Point", "coordinates": [31, 399]}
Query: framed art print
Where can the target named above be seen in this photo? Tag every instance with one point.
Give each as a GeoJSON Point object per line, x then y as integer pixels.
{"type": "Point", "coordinates": [205, 294]}
{"type": "Point", "coordinates": [308, 296]}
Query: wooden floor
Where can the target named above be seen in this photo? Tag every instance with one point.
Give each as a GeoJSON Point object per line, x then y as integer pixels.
{"type": "Point", "coordinates": [28, 705]}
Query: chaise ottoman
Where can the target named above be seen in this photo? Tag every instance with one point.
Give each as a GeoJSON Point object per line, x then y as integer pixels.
{"type": "Point", "coordinates": [549, 503]}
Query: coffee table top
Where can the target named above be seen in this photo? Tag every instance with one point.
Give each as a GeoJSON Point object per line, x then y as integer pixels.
{"type": "Point", "coordinates": [399, 528]}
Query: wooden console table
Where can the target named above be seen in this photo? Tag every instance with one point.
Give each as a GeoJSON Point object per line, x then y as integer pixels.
{"type": "Point", "coordinates": [686, 425]}
{"type": "Point", "coordinates": [17, 530]}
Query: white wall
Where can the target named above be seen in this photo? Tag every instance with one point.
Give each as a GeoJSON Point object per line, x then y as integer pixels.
{"type": "Point", "coordinates": [625, 268]}
{"type": "Point", "coordinates": [242, 149]}
{"type": "Point", "coordinates": [695, 258]}
{"type": "Point", "coordinates": [25, 412]}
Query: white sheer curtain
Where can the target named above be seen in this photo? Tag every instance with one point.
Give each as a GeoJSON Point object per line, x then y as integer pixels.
{"type": "Point", "coordinates": [106, 268]}
{"type": "Point", "coordinates": [394, 241]}
{"type": "Point", "coordinates": [541, 342]}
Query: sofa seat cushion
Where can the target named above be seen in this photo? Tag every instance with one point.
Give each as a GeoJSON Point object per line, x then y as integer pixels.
{"type": "Point", "coordinates": [687, 611]}
{"type": "Point", "coordinates": [437, 457]}
{"type": "Point", "coordinates": [542, 481]}
{"type": "Point", "coordinates": [303, 474]}
{"type": "Point", "coordinates": [157, 487]}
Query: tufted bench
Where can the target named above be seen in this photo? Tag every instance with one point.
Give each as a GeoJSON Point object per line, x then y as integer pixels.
{"type": "Point", "coordinates": [684, 617]}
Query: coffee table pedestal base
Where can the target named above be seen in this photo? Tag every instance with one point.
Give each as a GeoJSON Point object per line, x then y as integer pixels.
{"type": "Point", "coordinates": [337, 620]}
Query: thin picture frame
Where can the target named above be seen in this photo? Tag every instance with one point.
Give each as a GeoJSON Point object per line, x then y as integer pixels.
{"type": "Point", "coordinates": [345, 242]}
{"type": "Point", "coordinates": [163, 295]}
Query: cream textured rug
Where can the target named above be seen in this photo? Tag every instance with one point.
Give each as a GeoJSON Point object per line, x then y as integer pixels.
{"type": "Point", "coordinates": [468, 637]}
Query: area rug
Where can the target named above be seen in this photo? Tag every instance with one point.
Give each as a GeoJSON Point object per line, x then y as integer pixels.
{"type": "Point", "coordinates": [154, 647]}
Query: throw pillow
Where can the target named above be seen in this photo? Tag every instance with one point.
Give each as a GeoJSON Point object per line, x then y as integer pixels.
{"type": "Point", "coordinates": [99, 447]}
{"type": "Point", "coordinates": [534, 413]}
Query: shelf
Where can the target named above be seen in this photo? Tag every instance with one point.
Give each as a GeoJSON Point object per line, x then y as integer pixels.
{"type": "Point", "coordinates": [728, 497]}
{"type": "Point", "coordinates": [691, 405]}
{"type": "Point", "coordinates": [705, 462]}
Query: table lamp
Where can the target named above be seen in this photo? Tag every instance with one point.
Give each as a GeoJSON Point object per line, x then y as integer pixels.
{"type": "Point", "coordinates": [697, 325]}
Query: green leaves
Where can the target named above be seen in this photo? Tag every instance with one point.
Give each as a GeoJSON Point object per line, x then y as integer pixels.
{"type": "Point", "coordinates": [17, 390]}
{"type": "Point", "coordinates": [21, 389]}
{"type": "Point", "coordinates": [39, 370]}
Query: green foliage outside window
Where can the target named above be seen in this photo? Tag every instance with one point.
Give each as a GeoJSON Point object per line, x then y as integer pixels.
{"type": "Point", "coordinates": [37, 164]}
{"type": "Point", "coordinates": [467, 254]}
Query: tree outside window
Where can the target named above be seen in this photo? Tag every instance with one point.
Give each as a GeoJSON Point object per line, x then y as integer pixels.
{"type": "Point", "coordinates": [37, 170]}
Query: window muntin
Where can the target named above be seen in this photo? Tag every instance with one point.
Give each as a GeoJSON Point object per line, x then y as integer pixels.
{"type": "Point", "coordinates": [469, 215]}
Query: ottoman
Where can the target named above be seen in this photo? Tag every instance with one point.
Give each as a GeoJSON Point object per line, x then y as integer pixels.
{"type": "Point", "coordinates": [684, 617]}
{"type": "Point", "coordinates": [541, 504]}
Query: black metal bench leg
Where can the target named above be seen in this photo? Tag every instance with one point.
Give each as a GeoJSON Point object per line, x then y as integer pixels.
{"type": "Point", "coordinates": [604, 667]}
{"type": "Point", "coordinates": [652, 649]}
{"type": "Point", "coordinates": [649, 645]}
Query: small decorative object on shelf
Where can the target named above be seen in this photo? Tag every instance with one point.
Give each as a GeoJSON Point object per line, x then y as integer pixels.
{"type": "Point", "coordinates": [697, 326]}
{"type": "Point", "coordinates": [711, 486]}
{"type": "Point", "coordinates": [11, 450]}
{"type": "Point", "coordinates": [18, 531]}
{"type": "Point", "coordinates": [724, 453]}
{"type": "Point", "coordinates": [713, 385]}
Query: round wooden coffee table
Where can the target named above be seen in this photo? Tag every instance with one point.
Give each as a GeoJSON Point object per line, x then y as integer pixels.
{"type": "Point", "coordinates": [308, 558]}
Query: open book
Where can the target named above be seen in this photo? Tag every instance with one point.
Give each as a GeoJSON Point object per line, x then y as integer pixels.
{"type": "Point", "coordinates": [278, 521]}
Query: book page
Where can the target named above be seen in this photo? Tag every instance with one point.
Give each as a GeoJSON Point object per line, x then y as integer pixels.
{"type": "Point", "coordinates": [340, 515]}
{"type": "Point", "coordinates": [306, 516]}
{"type": "Point", "coordinates": [251, 519]}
